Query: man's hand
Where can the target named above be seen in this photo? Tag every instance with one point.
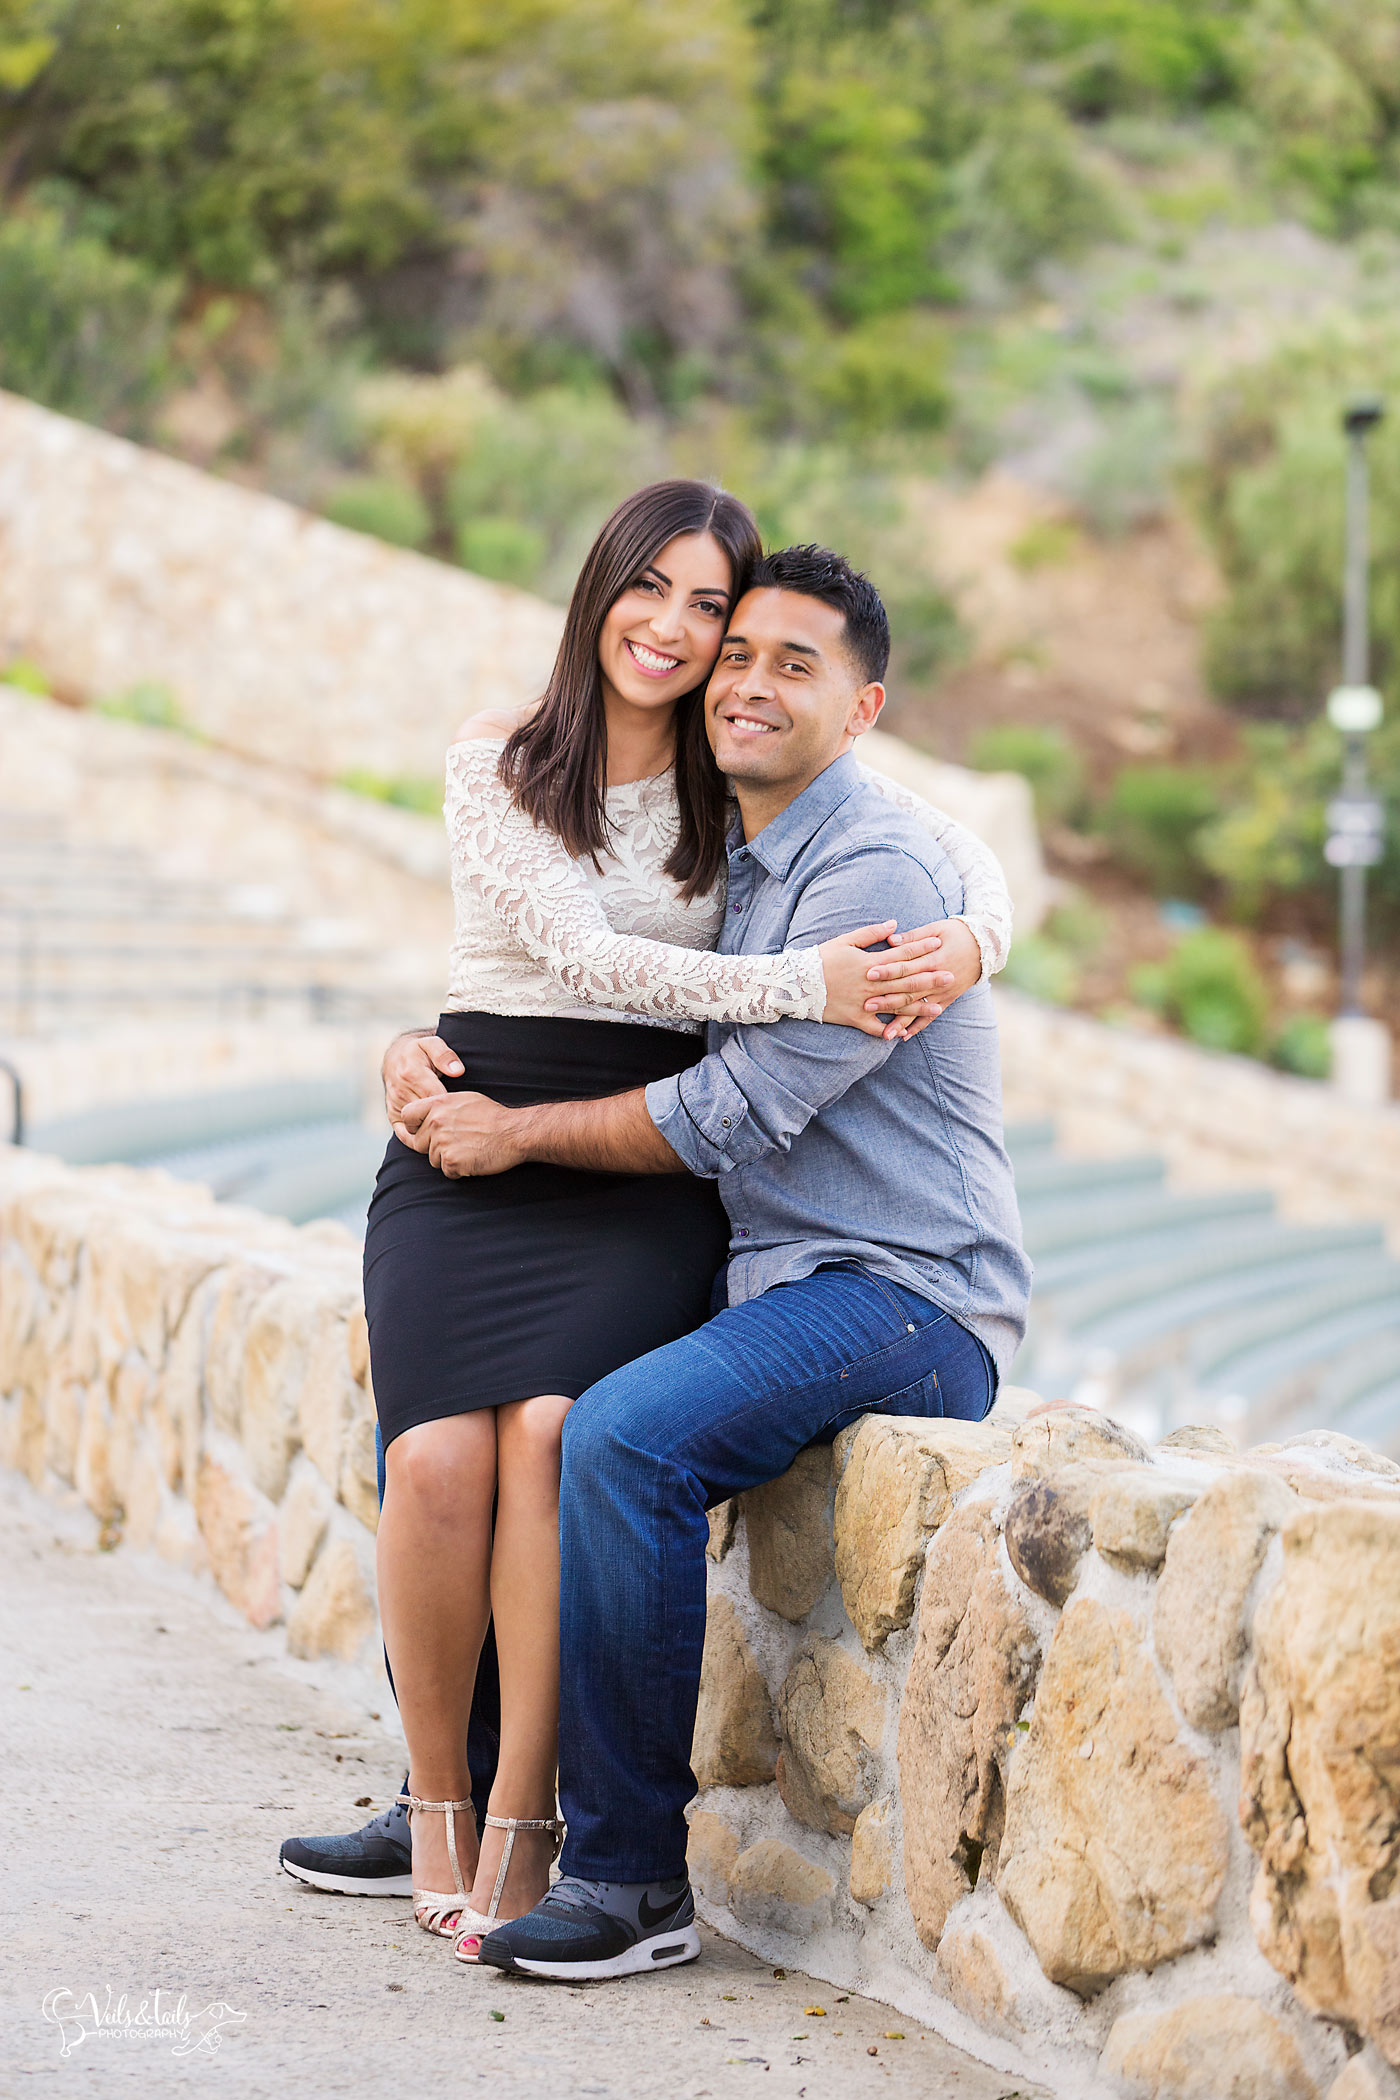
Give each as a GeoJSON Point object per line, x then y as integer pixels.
{"type": "Point", "coordinates": [463, 1134]}
{"type": "Point", "coordinates": [411, 1067]}
{"type": "Point", "coordinates": [469, 1134]}
{"type": "Point", "coordinates": [958, 956]}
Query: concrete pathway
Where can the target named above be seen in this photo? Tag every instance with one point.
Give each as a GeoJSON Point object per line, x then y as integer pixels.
{"type": "Point", "coordinates": [156, 1751]}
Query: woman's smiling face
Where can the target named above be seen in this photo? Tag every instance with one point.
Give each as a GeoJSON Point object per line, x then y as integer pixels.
{"type": "Point", "coordinates": [661, 638]}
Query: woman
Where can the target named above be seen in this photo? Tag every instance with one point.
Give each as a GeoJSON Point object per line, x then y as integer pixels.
{"type": "Point", "coordinates": [588, 862]}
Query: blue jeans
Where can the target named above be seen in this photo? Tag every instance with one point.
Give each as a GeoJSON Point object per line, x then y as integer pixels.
{"type": "Point", "coordinates": [646, 1452]}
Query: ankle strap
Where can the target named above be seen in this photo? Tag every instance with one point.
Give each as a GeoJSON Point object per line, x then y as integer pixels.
{"type": "Point", "coordinates": [449, 1810]}
{"type": "Point", "coordinates": [510, 1824]}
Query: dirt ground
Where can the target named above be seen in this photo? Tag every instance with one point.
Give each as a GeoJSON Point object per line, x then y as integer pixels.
{"type": "Point", "coordinates": [158, 1750]}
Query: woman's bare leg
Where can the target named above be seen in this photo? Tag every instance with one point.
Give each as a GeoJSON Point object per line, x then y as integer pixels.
{"type": "Point", "coordinates": [434, 1552]}
{"type": "Point", "coordinates": [525, 1604]}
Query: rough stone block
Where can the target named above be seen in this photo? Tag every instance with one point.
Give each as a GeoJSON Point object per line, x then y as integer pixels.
{"type": "Point", "coordinates": [897, 1480]}
{"type": "Point", "coordinates": [357, 1346]}
{"type": "Point", "coordinates": [872, 1853]}
{"type": "Point", "coordinates": [1059, 1436]}
{"type": "Point", "coordinates": [724, 1523]}
{"type": "Point", "coordinates": [301, 1524]}
{"type": "Point", "coordinates": [1116, 1849]}
{"type": "Point", "coordinates": [977, 1980]}
{"type": "Point", "coordinates": [273, 1370]}
{"type": "Point", "coordinates": [1212, 1557]}
{"type": "Point", "coordinates": [788, 1525]}
{"type": "Point", "coordinates": [773, 1884]}
{"type": "Point", "coordinates": [1320, 1767]}
{"type": "Point", "coordinates": [1049, 1529]}
{"type": "Point", "coordinates": [1209, 2047]}
{"type": "Point", "coordinates": [831, 1717]}
{"type": "Point", "coordinates": [329, 1399]}
{"type": "Point", "coordinates": [1199, 1436]}
{"type": "Point", "coordinates": [734, 1743]}
{"type": "Point", "coordinates": [710, 1855]}
{"type": "Point", "coordinates": [359, 1471]}
{"type": "Point", "coordinates": [334, 1615]}
{"type": "Point", "coordinates": [1133, 1513]}
{"type": "Point", "coordinates": [239, 1531]}
{"type": "Point", "coordinates": [972, 1670]}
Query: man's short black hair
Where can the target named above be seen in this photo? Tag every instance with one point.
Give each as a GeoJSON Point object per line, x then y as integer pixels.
{"type": "Point", "coordinates": [815, 572]}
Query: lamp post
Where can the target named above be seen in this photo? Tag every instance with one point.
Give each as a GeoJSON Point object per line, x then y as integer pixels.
{"type": "Point", "coordinates": [1356, 817]}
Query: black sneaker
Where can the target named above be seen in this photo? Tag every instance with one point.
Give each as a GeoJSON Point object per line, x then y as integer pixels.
{"type": "Point", "coordinates": [374, 1861]}
{"type": "Point", "coordinates": [571, 1937]}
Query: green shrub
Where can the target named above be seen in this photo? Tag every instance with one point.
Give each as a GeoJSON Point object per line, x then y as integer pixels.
{"type": "Point", "coordinates": [925, 631]}
{"type": "Point", "coordinates": [557, 463]}
{"type": "Point", "coordinates": [890, 374]}
{"type": "Point", "coordinates": [1210, 987]}
{"type": "Point", "coordinates": [26, 677]}
{"type": "Point", "coordinates": [153, 705]}
{"type": "Point", "coordinates": [1043, 967]}
{"type": "Point", "coordinates": [82, 329]}
{"type": "Point", "coordinates": [1153, 817]}
{"type": "Point", "coordinates": [1266, 841]}
{"type": "Point", "coordinates": [1047, 544]}
{"type": "Point", "coordinates": [1124, 478]}
{"type": "Point", "coordinates": [1304, 1045]}
{"type": "Point", "coordinates": [1269, 482]}
{"type": "Point", "coordinates": [403, 791]}
{"type": "Point", "coordinates": [1045, 756]}
{"type": "Point", "coordinates": [505, 549]}
{"type": "Point", "coordinates": [385, 509]}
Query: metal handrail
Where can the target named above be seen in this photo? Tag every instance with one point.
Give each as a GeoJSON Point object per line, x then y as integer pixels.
{"type": "Point", "coordinates": [17, 1088]}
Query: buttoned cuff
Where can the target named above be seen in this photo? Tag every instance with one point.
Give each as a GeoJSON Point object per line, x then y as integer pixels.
{"type": "Point", "coordinates": [704, 1118]}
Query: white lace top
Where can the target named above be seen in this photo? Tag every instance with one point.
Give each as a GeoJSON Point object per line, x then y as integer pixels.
{"type": "Point", "coordinates": [539, 933]}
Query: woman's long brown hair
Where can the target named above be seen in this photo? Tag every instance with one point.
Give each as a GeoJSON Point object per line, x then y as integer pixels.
{"type": "Point", "coordinates": [555, 765]}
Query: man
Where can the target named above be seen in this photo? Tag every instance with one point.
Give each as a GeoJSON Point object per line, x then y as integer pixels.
{"type": "Point", "coordinates": [875, 1257]}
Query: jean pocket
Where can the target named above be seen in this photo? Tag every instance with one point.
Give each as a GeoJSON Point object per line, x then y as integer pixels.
{"type": "Point", "coordinates": [923, 1398]}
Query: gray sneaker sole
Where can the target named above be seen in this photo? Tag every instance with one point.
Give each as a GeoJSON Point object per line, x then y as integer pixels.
{"type": "Point", "coordinates": [347, 1885]}
{"type": "Point", "coordinates": [663, 1950]}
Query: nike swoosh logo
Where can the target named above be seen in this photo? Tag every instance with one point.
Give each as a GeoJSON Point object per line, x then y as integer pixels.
{"type": "Point", "coordinates": [648, 1918]}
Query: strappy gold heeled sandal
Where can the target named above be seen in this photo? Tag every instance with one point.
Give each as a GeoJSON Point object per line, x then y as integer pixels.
{"type": "Point", "coordinates": [473, 1925]}
{"type": "Point", "coordinates": [437, 1913]}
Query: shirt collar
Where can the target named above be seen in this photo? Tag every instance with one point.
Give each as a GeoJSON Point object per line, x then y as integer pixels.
{"type": "Point", "coordinates": [778, 844]}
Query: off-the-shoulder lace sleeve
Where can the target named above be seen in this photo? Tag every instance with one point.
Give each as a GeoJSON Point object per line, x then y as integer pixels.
{"type": "Point", "coordinates": [539, 894]}
{"type": "Point", "coordinates": [986, 911]}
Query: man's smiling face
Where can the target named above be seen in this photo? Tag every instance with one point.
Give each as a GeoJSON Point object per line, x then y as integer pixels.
{"type": "Point", "coordinates": [786, 696]}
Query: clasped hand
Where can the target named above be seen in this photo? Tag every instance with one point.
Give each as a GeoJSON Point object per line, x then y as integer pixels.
{"type": "Point", "coordinates": [914, 991]}
{"type": "Point", "coordinates": [464, 1135]}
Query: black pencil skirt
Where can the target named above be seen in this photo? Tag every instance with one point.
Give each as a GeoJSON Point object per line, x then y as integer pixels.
{"type": "Point", "coordinates": [545, 1279]}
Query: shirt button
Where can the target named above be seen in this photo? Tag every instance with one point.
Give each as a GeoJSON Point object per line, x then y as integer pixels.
{"type": "Point", "coordinates": [738, 907]}
{"type": "Point", "coordinates": [741, 1232]}
{"type": "Point", "coordinates": [724, 1122]}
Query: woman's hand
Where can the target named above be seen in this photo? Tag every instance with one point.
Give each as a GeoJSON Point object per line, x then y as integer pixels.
{"type": "Point", "coordinates": [917, 991]}
{"type": "Point", "coordinates": [960, 961]}
{"type": "Point", "coordinates": [411, 1068]}
{"type": "Point", "coordinates": [906, 970]}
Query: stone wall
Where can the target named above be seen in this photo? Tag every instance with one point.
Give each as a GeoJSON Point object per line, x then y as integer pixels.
{"type": "Point", "coordinates": [197, 1375]}
{"type": "Point", "coordinates": [1085, 1754]}
{"type": "Point", "coordinates": [1218, 1121]}
{"type": "Point", "coordinates": [280, 635]}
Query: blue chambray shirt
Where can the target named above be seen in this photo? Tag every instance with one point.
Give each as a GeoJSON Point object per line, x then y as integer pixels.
{"type": "Point", "coordinates": [829, 1145]}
